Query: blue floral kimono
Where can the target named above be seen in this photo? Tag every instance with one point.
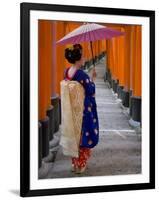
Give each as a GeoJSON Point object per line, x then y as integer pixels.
{"type": "Point", "coordinates": [90, 124]}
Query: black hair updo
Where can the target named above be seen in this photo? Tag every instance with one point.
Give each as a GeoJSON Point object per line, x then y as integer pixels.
{"type": "Point", "coordinates": [73, 53]}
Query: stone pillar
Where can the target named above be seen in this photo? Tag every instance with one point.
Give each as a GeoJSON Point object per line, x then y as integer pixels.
{"type": "Point", "coordinates": [40, 145]}
{"type": "Point", "coordinates": [50, 114]}
{"type": "Point", "coordinates": [55, 103]}
{"type": "Point", "coordinates": [114, 85]}
{"type": "Point", "coordinates": [45, 136]}
{"type": "Point", "coordinates": [125, 98]}
{"type": "Point", "coordinates": [54, 142]}
{"type": "Point", "coordinates": [136, 108]}
{"type": "Point", "coordinates": [119, 91]}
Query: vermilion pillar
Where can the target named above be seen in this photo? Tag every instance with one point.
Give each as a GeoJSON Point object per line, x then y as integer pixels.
{"type": "Point", "coordinates": [89, 51]}
{"type": "Point", "coordinates": [45, 63]}
{"type": "Point", "coordinates": [138, 54]}
{"type": "Point", "coordinates": [67, 30]}
{"type": "Point", "coordinates": [135, 67]}
{"type": "Point", "coordinates": [53, 69]}
{"type": "Point", "coordinates": [108, 61]}
{"type": "Point", "coordinates": [121, 57]}
{"type": "Point", "coordinates": [132, 57]}
{"type": "Point", "coordinates": [127, 57]}
{"type": "Point", "coordinates": [112, 59]}
{"type": "Point", "coordinates": [60, 57]}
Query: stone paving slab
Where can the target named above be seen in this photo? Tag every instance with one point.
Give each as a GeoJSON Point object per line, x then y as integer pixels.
{"type": "Point", "coordinates": [113, 155]}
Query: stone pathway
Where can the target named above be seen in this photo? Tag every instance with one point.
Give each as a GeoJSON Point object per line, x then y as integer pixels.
{"type": "Point", "coordinates": [119, 148]}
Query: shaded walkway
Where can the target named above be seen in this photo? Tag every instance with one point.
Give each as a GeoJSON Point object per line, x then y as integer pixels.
{"type": "Point", "coordinates": [119, 148]}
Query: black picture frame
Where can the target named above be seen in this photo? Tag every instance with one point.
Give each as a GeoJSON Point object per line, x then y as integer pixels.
{"type": "Point", "coordinates": [25, 9]}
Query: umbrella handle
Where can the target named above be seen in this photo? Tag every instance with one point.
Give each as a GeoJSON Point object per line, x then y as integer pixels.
{"type": "Point", "coordinates": [94, 71]}
{"type": "Point", "coordinates": [92, 52]}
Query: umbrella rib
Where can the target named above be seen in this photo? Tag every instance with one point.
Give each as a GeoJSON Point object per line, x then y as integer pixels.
{"type": "Point", "coordinates": [104, 35]}
{"type": "Point", "coordinates": [90, 32]}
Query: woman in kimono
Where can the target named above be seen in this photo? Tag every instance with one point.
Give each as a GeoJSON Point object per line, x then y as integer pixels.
{"type": "Point", "coordinates": [90, 124]}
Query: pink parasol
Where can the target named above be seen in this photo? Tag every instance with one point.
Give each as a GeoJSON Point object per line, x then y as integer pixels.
{"type": "Point", "coordinates": [89, 32]}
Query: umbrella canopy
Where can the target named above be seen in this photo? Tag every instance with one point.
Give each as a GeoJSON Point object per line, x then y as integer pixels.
{"type": "Point", "coordinates": [89, 32]}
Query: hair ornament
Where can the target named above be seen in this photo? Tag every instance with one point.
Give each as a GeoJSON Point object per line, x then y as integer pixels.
{"type": "Point", "coordinates": [70, 47]}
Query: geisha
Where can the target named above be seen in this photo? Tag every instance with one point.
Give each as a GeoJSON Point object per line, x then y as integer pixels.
{"type": "Point", "coordinates": [90, 126]}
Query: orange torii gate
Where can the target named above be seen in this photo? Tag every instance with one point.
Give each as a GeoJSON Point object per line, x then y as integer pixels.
{"type": "Point", "coordinates": [124, 63]}
{"type": "Point", "coordinates": [123, 58]}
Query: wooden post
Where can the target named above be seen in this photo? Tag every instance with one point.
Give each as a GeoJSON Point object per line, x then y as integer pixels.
{"type": "Point", "coordinates": [127, 58]}
{"type": "Point", "coordinates": [45, 65]}
{"type": "Point", "coordinates": [137, 85]}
